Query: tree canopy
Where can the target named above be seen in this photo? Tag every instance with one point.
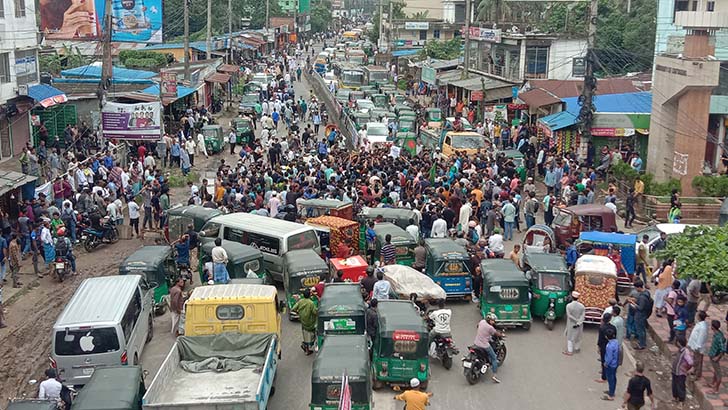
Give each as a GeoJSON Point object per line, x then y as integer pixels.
{"type": "Point", "coordinates": [397, 14]}
{"type": "Point", "coordinates": [320, 16]}
{"type": "Point", "coordinates": [252, 9]}
{"type": "Point", "coordinates": [700, 252]}
{"type": "Point", "coordinates": [442, 50]}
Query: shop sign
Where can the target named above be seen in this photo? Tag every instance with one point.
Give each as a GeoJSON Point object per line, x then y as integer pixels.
{"type": "Point", "coordinates": [484, 34]}
{"type": "Point", "coordinates": [429, 75]}
{"type": "Point", "coordinates": [476, 95]}
{"type": "Point", "coordinates": [544, 128]}
{"type": "Point", "coordinates": [514, 107]}
{"type": "Point", "coordinates": [417, 25]}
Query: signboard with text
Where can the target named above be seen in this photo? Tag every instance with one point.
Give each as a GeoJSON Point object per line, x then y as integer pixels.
{"type": "Point", "coordinates": [131, 121]}
{"type": "Point", "coordinates": [168, 85]}
{"type": "Point", "coordinates": [429, 75]}
{"type": "Point", "coordinates": [416, 25]}
{"type": "Point", "coordinates": [485, 34]}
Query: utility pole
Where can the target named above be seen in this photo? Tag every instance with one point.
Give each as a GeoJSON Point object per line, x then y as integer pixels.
{"type": "Point", "coordinates": [466, 71]}
{"type": "Point", "coordinates": [586, 113]}
{"type": "Point", "coordinates": [230, 31]}
{"type": "Point", "coordinates": [267, 16]}
{"type": "Point", "coordinates": [187, 41]}
{"type": "Point", "coordinates": [295, 18]}
{"type": "Point", "coordinates": [106, 63]}
{"type": "Point", "coordinates": [381, 21]}
{"type": "Point", "coordinates": [208, 39]}
{"type": "Point", "coordinates": [389, 29]}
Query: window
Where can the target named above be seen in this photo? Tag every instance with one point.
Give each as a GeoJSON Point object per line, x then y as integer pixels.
{"type": "Point", "coordinates": [537, 62]}
{"type": "Point", "coordinates": [694, 6]}
{"type": "Point", "coordinates": [578, 67]}
{"type": "Point", "coordinates": [710, 6]}
{"type": "Point", "coordinates": [102, 340]}
{"type": "Point", "coordinates": [131, 316]}
{"type": "Point", "coordinates": [423, 34]}
{"type": "Point", "coordinates": [229, 312]}
{"type": "Point", "coordinates": [2, 10]}
{"type": "Point", "coordinates": [303, 240]}
{"type": "Point", "coordinates": [19, 8]}
{"type": "Point", "coordinates": [436, 33]}
{"type": "Point", "coordinates": [4, 68]}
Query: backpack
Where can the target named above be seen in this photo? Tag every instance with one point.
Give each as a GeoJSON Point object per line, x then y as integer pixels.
{"type": "Point", "coordinates": [650, 303]}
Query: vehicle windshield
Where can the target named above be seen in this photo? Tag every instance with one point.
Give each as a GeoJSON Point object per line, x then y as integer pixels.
{"type": "Point", "coordinates": [378, 129]}
{"type": "Point", "coordinates": [210, 230]}
{"type": "Point", "coordinates": [352, 77]}
{"type": "Point", "coordinates": [86, 341]}
{"type": "Point", "coordinates": [563, 219]}
{"type": "Point", "coordinates": [435, 116]}
{"type": "Point", "coordinates": [468, 142]}
{"type": "Point", "coordinates": [253, 98]}
{"type": "Point", "coordinates": [650, 231]}
{"type": "Point", "coordinates": [378, 75]}
{"type": "Point", "coordinates": [365, 104]}
{"type": "Point", "coordinates": [303, 240]}
{"type": "Point", "coordinates": [358, 59]}
{"type": "Point", "coordinates": [551, 281]}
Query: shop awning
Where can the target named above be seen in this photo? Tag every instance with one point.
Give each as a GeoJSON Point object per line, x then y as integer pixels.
{"type": "Point", "coordinates": [46, 95]}
{"type": "Point", "coordinates": [10, 180]}
{"type": "Point", "coordinates": [538, 97]}
{"type": "Point", "coordinates": [406, 52]}
{"type": "Point", "coordinates": [221, 78]}
{"type": "Point", "coordinates": [559, 120]}
{"type": "Point", "coordinates": [228, 68]}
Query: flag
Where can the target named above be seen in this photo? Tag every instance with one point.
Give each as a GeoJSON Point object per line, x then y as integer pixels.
{"type": "Point", "coordinates": [345, 397]}
{"type": "Point", "coordinates": [433, 172]}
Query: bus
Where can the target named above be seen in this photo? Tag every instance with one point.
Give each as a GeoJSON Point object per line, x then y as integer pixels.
{"type": "Point", "coordinates": [351, 76]}
{"type": "Point", "coordinates": [376, 75]}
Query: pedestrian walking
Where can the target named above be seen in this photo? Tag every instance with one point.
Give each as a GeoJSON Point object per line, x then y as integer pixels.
{"type": "Point", "coordinates": [308, 315]}
{"type": "Point", "coordinates": [602, 341]}
{"type": "Point", "coordinates": [693, 294]}
{"type": "Point", "coordinates": [611, 362]}
{"type": "Point", "coordinates": [696, 343]}
{"type": "Point", "coordinates": [134, 216]}
{"type": "Point", "coordinates": [177, 303]}
{"type": "Point", "coordinates": [575, 311]}
{"type": "Point", "coordinates": [14, 257]}
{"type": "Point", "coordinates": [681, 366]}
{"type": "Point", "coordinates": [715, 354]}
{"type": "Point", "coordinates": [232, 139]}
{"type": "Point", "coordinates": [643, 309]}
{"type": "Point", "coordinates": [638, 385]}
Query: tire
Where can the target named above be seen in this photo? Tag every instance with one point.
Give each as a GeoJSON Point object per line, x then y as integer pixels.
{"type": "Point", "coordinates": [290, 316]}
{"type": "Point", "coordinates": [376, 384]}
{"type": "Point", "coordinates": [472, 376]}
{"type": "Point", "coordinates": [527, 326]}
{"type": "Point", "coordinates": [114, 235]}
{"type": "Point", "coordinates": [150, 331]}
{"type": "Point", "coordinates": [424, 384]}
{"type": "Point", "coordinates": [501, 354]}
{"type": "Point", "coordinates": [88, 244]}
{"type": "Point", "coordinates": [549, 324]}
{"type": "Point", "coordinates": [272, 391]}
{"type": "Point", "coordinates": [447, 361]}
{"type": "Point", "coordinates": [136, 360]}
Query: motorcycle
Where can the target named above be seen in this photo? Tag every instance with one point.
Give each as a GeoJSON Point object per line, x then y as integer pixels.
{"type": "Point", "coordinates": [62, 267]}
{"type": "Point", "coordinates": [185, 273]}
{"type": "Point", "coordinates": [92, 238]}
{"type": "Point", "coordinates": [444, 347]}
{"type": "Point", "coordinates": [477, 362]}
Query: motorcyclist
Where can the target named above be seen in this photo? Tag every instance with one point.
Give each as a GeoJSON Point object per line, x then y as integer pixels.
{"type": "Point", "coordinates": [486, 330]}
{"type": "Point", "coordinates": [64, 248]}
{"type": "Point", "coordinates": [94, 216]}
{"type": "Point", "coordinates": [441, 319]}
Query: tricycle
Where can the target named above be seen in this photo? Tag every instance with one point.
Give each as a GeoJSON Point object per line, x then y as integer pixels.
{"type": "Point", "coordinates": [550, 285]}
{"type": "Point", "coordinates": [157, 265]}
{"type": "Point", "coordinates": [447, 264]}
{"type": "Point", "coordinates": [596, 282]}
{"type": "Point", "coordinates": [302, 268]}
{"type": "Point", "coordinates": [505, 293]}
{"type": "Point", "coordinates": [341, 311]}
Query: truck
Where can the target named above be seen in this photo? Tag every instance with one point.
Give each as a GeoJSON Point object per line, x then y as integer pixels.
{"type": "Point", "coordinates": [216, 372]}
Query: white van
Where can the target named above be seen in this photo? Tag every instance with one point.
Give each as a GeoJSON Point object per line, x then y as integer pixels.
{"type": "Point", "coordinates": [107, 322]}
{"type": "Point", "coordinates": [274, 237]}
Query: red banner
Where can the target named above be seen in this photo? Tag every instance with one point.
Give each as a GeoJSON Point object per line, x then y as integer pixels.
{"type": "Point", "coordinates": [476, 95]}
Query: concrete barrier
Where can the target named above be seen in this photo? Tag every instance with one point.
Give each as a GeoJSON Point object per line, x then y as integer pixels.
{"type": "Point", "coordinates": [335, 110]}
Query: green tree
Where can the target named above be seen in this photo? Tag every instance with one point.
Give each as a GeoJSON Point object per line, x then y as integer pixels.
{"type": "Point", "coordinates": [252, 9]}
{"type": "Point", "coordinates": [320, 16]}
{"type": "Point", "coordinates": [397, 14]}
{"type": "Point", "coordinates": [442, 50]}
{"type": "Point", "coordinates": [700, 252]}
{"type": "Point", "coordinates": [68, 58]}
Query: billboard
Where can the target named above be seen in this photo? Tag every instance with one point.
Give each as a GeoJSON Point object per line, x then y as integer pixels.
{"type": "Point", "coordinates": [168, 85]}
{"type": "Point", "coordinates": [132, 121]}
{"type": "Point", "coordinates": [135, 21]}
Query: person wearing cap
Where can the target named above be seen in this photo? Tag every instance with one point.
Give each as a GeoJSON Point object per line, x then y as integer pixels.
{"type": "Point", "coordinates": [575, 312]}
{"type": "Point", "coordinates": [415, 398]}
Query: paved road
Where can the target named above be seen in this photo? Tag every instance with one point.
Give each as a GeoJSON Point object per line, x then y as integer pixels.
{"type": "Point", "coordinates": [535, 373]}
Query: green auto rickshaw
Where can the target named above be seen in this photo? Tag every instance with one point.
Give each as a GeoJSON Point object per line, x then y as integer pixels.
{"type": "Point", "coordinates": [549, 278]}
{"type": "Point", "coordinates": [341, 311]}
{"type": "Point", "coordinates": [244, 131]}
{"type": "Point", "coordinates": [380, 101]}
{"type": "Point", "coordinates": [32, 404]}
{"type": "Point", "coordinates": [339, 355]}
{"type": "Point", "coordinates": [505, 293]}
{"type": "Point", "coordinates": [406, 124]}
{"type": "Point", "coordinates": [302, 268]}
{"type": "Point", "coordinates": [180, 217]}
{"type": "Point", "coordinates": [112, 388]}
{"type": "Point", "coordinates": [157, 265]}
{"type": "Point", "coordinates": [400, 347]}
{"type": "Point", "coordinates": [243, 261]}
{"type": "Point", "coordinates": [214, 138]}
{"type": "Point", "coordinates": [433, 115]}
{"type": "Point", "coordinates": [398, 216]}
{"type": "Point", "coordinates": [447, 264]}
{"type": "Point", "coordinates": [407, 141]}
{"type": "Point", "coordinates": [401, 239]}
{"type": "Point", "coordinates": [360, 118]}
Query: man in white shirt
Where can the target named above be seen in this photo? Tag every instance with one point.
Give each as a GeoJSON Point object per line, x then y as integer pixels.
{"type": "Point", "coordinates": [219, 262]}
{"type": "Point", "coordinates": [381, 287]}
{"type": "Point", "coordinates": [50, 388]}
{"type": "Point", "coordinates": [149, 161]}
{"type": "Point", "coordinates": [439, 227]}
{"type": "Point", "coordinates": [111, 210]}
{"type": "Point", "coordinates": [612, 205]}
{"type": "Point", "coordinates": [495, 243]}
{"type": "Point", "coordinates": [134, 216]}
{"type": "Point", "coordinates": [413, 230]}
{"type": "Point", "coordinates": [441, 319]}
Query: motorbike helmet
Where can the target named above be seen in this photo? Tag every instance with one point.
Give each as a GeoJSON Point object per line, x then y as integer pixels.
{"type": "Point", "coordinates": [61, 231]}
{"type": "Point", "coordinates": [491, 316]}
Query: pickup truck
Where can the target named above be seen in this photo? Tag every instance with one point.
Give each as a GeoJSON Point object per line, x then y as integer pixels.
{"type": "Point", "coordinates": [216, 372]}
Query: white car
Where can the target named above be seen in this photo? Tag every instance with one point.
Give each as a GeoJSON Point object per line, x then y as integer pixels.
{"type": "Point", "coordinates": [377, 132]}
{"type": "Point", "coordinates": [653, 231]}
{"type": "Point", "coordinates": [365, 105]}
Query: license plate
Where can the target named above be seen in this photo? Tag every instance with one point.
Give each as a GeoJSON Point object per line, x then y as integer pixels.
{"type": "Point", "coordinates": [484, 369]}
{"type": "Point", "coordinates": [88, 372]}
{"type": "Point", "coordinates": [60, 265]}
{"type": "Point", "coordinates": [467, 365]}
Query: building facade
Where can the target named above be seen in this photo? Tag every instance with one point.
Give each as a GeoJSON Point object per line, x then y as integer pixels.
{"type": "Point", "coordinates": [18, 71]}
{"type": "Point", "coordinates": [414, 33]}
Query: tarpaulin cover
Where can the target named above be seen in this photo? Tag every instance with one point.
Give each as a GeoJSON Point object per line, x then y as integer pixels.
{"type": "Point", "coordinates": [222, 353]}
{"type": "Point", "coordinates": [406, 280]}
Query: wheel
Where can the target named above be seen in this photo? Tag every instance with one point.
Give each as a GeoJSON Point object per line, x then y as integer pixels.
{"type": "Point", "coordinates": [501, 354]}
{"type": "Point", "coordinates": [161, 309]}
{"type": "Point", "coordinates": [150, 332]}
{"type": "Point", "coordinates": [290, 316]}
{"type": "Point", "coordinates": [114, 235]}
{"type": "Point", "coordinates": [423, 385]}
{"type": "Point", "coordinates": [272, 391]}
{"type": "Point", "coordinates": [136, 359]}
{"type": "Point", "coordinates": [376, 384]}
{"type": "Point", "coordinates": [88, 244]}
{"type": "Point", "coordinates": [526, 325]}
{"type": "Point", "coordinates": [472, 376]}
{"type": "Point", "coordinates": [549, 324]}
{"type": "Point", "coordinates": [447, 361]}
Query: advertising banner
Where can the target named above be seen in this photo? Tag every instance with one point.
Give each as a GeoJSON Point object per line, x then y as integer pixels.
{"type": "Point", "coordinates": [134, 21]}
{"type": "Point", "coordinates": [169, 85]}
{"type": "Point", "coordinates": [429, 75]}
{"type": "Point", "coordinates": [132, 121]}
{"type": "Point", "coordinates": [416, 25]}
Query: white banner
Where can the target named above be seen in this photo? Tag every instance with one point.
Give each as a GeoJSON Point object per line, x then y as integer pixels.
{"type": "Point", "coordinates": [416, 25]}
{"type": "Point", "coordinates": [132, 121]}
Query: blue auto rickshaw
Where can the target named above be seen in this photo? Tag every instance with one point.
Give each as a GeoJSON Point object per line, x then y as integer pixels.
{"type": "Point", "coordinates": [618, 247]}
{"type": "Point", "coordinates": [447, 264]}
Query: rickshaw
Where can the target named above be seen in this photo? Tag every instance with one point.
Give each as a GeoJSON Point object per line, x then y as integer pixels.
{"type": "Point", "coordinates": [214, 138]}
{"type": "Point", "coordinates": [311, 208]}
{"type": "Point", "coordinates": [433, 117]}
{"type": "Point", "coordinates": [550, 285]}
{"type": "Point", "coordinates": [341, 355]}
{"type": "Point", "coordinates": [505, 293]}
{"type": "Point", "coordinates": [353, 267]}
{"type": "Point", "coordinates": [244, 131]}
{"type": "Point", "coordinates": [32, 404]}
{"type": "Point", "coordinates": [447, 264]}
{"type": "Point", "coordinates": [342, 96]}
{"type": "Point", "coordinates": [157, 265]}
{"type": "Point", "coordinates": [400, 347]}
{"type": "Point", "coordinates": [620, 248]}
{"type": "Point", "coordinates": [333, 231]}
{"type": "Point", "coordinates": [401, 239]}
{"type": "Point", "coordinates": [360, 118]}
{"type": "Point", "coordinates": [112, 388]}
{"type": "Point", "coordinates": [379, 113]}
{"type": "Point", "coordinates": [368, 89]}
{"type": "Point", "coordinates": [397, 216]}
{"type": "Point", "coordinates": [302, 268]}
{"type": "Point", "coordinates": [573, 220]}
{"type": "Point", "coordinates": [380, 101]}
{"type": "Point", "coordinates": [539, 239]}
{"type": "Point", "coordinates": [406, 124]}
{"type": "Point", "coordinates": [596, 282]}
{"type": "Point", "coordinates": [178, 218]}
{"type": "Point", "coordinates": [341, 311]}
{"type": "Point", "coordinates": [244, 261]}
{"type": "Point", "coordinates": [407, 141]}
{"type": "Point", "coordinates": [401, 108]}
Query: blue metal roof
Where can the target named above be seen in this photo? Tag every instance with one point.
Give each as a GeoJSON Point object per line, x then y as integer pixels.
{"type": "Point", "coordinates": [196, 45]}
{"type": "Point", "coordinates": [405, 52]}
{"type": "Point", "coordinates": [605, 237]}
{"type": "Point", "coordinates": [42, 91]}
{"type": "Point", "coordinates": [182, 91]}
{"type": "Point", "coordinates": [559, 120]}
{"type": "Point", "coordinates": [628, 103]}
{"type": "Point", "coordinates": [94, 71]}
{"type": "Point", "coordinates": [96, 81]}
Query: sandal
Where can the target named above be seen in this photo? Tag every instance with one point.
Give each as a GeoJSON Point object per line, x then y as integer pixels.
{"type": "Point", "coordinates": [607, 398]}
